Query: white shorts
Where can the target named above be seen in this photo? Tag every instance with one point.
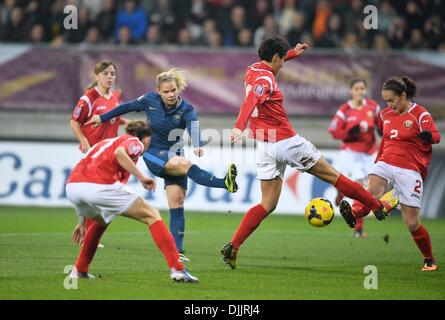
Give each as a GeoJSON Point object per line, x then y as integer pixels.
{"type": "Point", "coordinates": [273, 157]}
{"type": "Point", "coordinates": [355, 165]}
{"type": "Point", "coordinates": [104, 200]}
{"type": "Point", "coordinates": [408, 184]}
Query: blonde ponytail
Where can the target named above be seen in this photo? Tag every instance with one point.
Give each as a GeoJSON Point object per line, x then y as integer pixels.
{"type": "Point", "coordinates": [172, 75]}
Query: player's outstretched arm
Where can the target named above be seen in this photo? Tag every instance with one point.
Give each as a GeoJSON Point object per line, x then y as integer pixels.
{"type": "Point", "coordinates": [296, 51]}
{"type": "Point", "coordinates": [125, 162]}
{"type": "Point", "coordinates": [124, 108]}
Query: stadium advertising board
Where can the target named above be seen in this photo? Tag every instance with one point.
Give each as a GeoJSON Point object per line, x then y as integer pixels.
{"type": "Point", "coordinates": [34, 174]}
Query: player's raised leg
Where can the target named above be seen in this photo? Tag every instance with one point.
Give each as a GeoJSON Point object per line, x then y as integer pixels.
{"type": "Point", "coordinates": [180, 166]}
{"type": "Point", "coordinates": [143, 212]}
{"type": "Point", "coordinates": [351, 189]}
{"type": "Point", "coordinates": [270, 191]}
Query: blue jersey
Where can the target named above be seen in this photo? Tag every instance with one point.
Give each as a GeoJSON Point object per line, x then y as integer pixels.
{"type": "Point", "coordinates": [167, 124]}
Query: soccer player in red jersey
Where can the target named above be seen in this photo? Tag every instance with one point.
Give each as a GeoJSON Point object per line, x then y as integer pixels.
{"type": "Point", "coordinates": [96, 189]}
{"type": "Point", "coordinates": [354, 124]}
{"type": "Point", "coordinates": [402, 162]}
{"type": "Point", "coordinates": [278, 143]}
{"type": "Point", "coordinates": [98, 99]}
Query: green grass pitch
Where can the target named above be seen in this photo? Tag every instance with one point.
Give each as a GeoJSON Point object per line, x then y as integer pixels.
{"type": "Point", "coordinates": [285, 258]}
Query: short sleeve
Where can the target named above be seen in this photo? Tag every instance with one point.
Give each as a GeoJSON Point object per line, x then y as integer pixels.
{"type": "Point", "coordinates": [80, 113]}
{"type": "Point", "coordinates": [133, 147]}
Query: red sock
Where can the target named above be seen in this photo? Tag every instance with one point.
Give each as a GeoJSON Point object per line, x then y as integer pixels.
{"type": "Point", "coordinates": [422, 239]}
{"type": "Point", "coordinates": [88, 222]}
{"type": "Point", "coordinates": [355, 190]}
{"type": "Point", "coordinates": [358, 224]}
{"type": "Point", "coordinates": [248, 224]}
{"type": "Point", "coordinates": [165, 242]}
{"type": "Point", "coordinates": [359, 209]}
{"type": "Point", "coordinates": [89, 245]}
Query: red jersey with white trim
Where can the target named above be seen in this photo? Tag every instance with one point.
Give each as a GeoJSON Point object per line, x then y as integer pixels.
{"type": "Point", "coordinates": [400, 145]}
{"type": "Point", "coordinates": [348, 117]}
{"type": "Point", "coordinates": [91, 103]}
{"type": "Point", "coordinates": [99, 165]}
{"type": "Point", "coordinates": [263, 106]}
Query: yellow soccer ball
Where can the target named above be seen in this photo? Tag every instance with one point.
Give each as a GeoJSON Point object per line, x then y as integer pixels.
{"type": "Point", "coordinates": [319, 212]}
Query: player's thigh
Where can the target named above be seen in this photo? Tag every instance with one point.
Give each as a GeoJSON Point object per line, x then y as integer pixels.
{"type": "Point", "coordinates": [325, 171]}
{"type": "Point", "coordinates": [299, 153]}
{"type": "Point", "coordinates": [141, 211]}
{"type": "Point", "coordinates": [377, 185]}
{"type": "Point", "coordinates": [411, 217]}
{"type": "Point", "coordinates": [177, 166]}
{"type": "Point", "coordinates": [268, 167]}
{"type": "Point", "coordinates": [175, 196]}
{"type": "Point", "coordinates": [270, 193]}
{"type": "Point", "coordinates": [409, 185]}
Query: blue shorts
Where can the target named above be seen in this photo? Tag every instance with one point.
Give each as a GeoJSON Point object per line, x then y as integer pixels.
{"type": "Point", "coordinates": [155, 160]}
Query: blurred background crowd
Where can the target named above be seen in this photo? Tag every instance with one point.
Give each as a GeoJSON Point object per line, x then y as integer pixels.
{"type": "Point", "coordinates": [411, 24]}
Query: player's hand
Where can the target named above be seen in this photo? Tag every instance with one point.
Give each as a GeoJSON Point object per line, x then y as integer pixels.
{"type": "Point", "coordinates": [300, 47]}
{"type": "Point", "coordinates": [85, 145]}
{"type": "Point", "coordinates": [148, 183]}
{"type": "Point", "coordinates": [426, 136]}
{"type": "Point", "coordinates": [199, 152]}
{"type": "Point", "coordinates": [95, 120]}
{"type": "Point", "coordinates": [354, 130]}
{"type": "Point", "coordinates": [236, 135]}
{"type": "Point", "coordinates": [78, 233]}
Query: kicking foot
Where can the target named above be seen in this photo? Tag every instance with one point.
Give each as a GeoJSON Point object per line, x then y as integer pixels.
{"type": "Point", "coordinates": [182, 276]}
{"type": "Point", "coordinates": [229, 255]}
{"type": "Point", "coordinates": [75, 274]}
{"type": "Point", "coordinates": [389, 202]}
{"type": "Point", "coordinates": [230, 179]}
{"type": "Point", "coordinates": [347, 214]}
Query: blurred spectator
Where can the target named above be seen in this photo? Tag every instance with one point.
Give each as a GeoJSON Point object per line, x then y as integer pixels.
{"type": "Point", "coordinates": [14, 30]}
{"type": "Point", "coordinates": [214, 39]}
{"type": "Point", "coordinates": [297, 29]}
{"type": "Point", "coordinates": [237, 23]}
{"type": "Point", "coordinates": [414, 24]}
{"type": "Point", "coordinates": [397, 33]}
{"type": "Point", "coordinates": [258, 13]}
{"type": "Point", "coordinates": [322, 14]}
{"type": "Point", "coordinates": [153, 34]}
{"type": "Point", "coordinates": [416, 40]}
{"type": "Point", "coordinates": [267, 30]}
{"type": "Point", "coordinates": [124, 36]}
{"type": "Point", "coordinates": [333, 37]}
{"type": "Point", "coordinates": [37, 34]}
{"type": "Point", "coordinates": [350, 41]}
{"type": "Point", "coordinates": [164, 17]}
{"type": "Point", "coordinates": [93, 36]}
{"type": "Point", "coordinates": [184, 37]}
{"type": "Point", "coordinates": [288, 16]}
{"type": "Point", "coordinates": [386, 16]}
{"type": "Point", "coordinates": [106, 19]}
{"type": "Point", "coordinates": [134, 18]}
{"type": "Point", "coordinates": [93, 6]}
{"type": "Point", "coordinates": [245, 38]}
{"type": "Point", "coordinates": [380, 43]}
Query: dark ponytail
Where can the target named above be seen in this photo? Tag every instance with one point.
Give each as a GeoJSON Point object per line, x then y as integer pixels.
{"type": "Point", "coordinates": [401, 84]}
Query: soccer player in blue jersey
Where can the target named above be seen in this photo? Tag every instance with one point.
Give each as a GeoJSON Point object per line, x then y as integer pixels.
{"type": "Point", "coordinates": [167, 112]}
